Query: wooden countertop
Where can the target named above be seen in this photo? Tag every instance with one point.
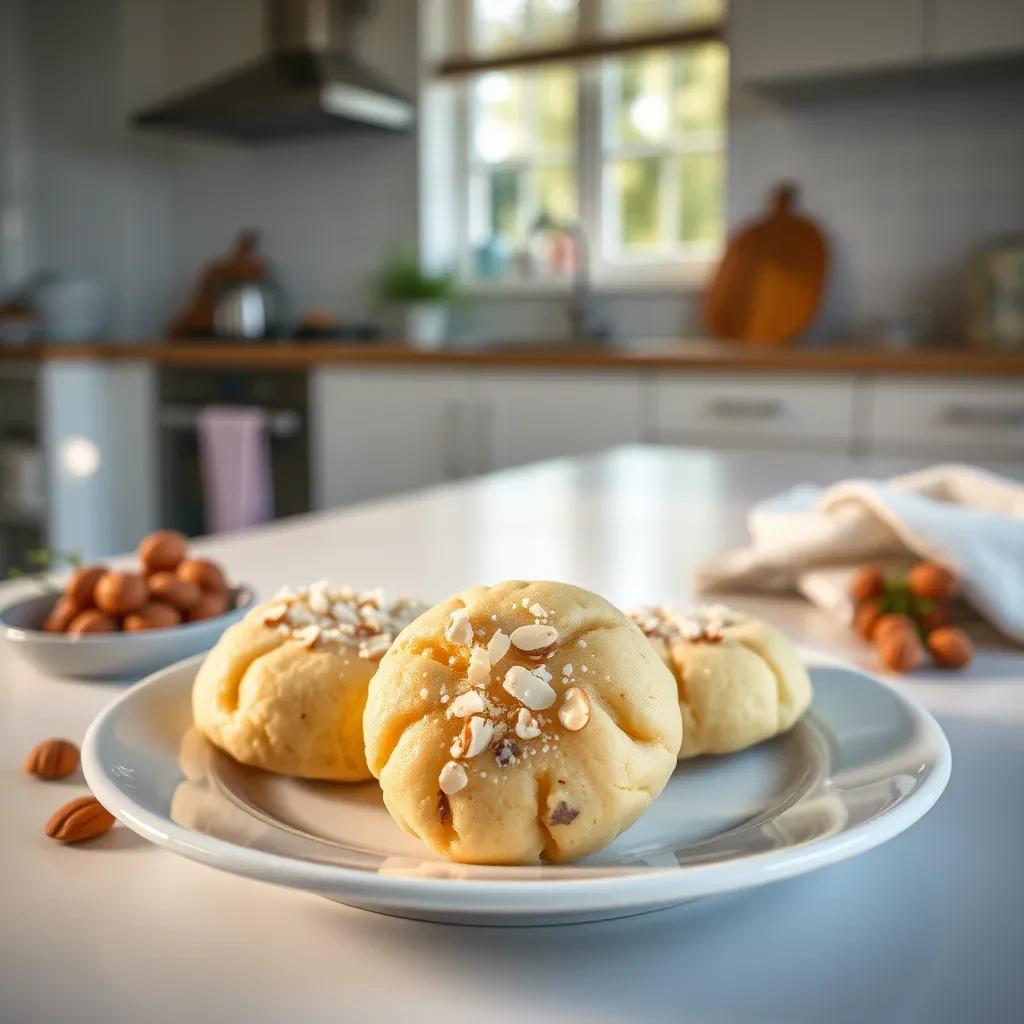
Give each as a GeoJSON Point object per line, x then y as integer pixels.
{"type": "Point", "coordinates": [692, 355]}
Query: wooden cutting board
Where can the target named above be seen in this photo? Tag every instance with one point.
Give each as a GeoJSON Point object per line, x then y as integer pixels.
{"type": "Point", "coordinates": [771, 279]}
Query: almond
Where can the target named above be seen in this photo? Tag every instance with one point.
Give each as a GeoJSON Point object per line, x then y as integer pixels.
{"type": "Point", "coordinates": [869, 582]}
{"type": "Point", "coordinates": [574, 713]}
{"type": "Point", "coordinates": [459, 629]}
{"type": "Point", "coordinates": [929, 579]}
{"type": "Point", "coordinates": [475, 737]}
{"type": "Point", "coordinates": [79, 820]}
{"type": "Point", "coordinates": [892, 622]}
{"type": "Point", "coordinates": [52, 759]}
{"type": "Point", "coordinates": [497, 646]}
{"type": "Point", "coordinates": [900, 650]}
{"type": "Point", "coordinates": [950, 647]}
{"type": "Point", "coordinates": [534, 637]}
{"type": "Point", "coordinates": [866, 619]}
{"type": "Point", "coordinates": [453, 779]}
{"type": "Point", "coordinates": [162, 551]}
{"type": "Point", "coordinates": [528, 688]}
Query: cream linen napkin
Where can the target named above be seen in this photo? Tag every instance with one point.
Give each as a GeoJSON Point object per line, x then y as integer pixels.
{"type": "Point", "coordinates": [812, 540]}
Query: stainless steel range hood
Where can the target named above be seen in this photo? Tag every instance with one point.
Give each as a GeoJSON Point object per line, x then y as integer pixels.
{"type": "Point", "coordinates": [309, 82]}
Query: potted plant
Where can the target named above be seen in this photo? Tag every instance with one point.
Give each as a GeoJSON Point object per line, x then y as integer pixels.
{"type": "Point", "coordinates": [425, 298]}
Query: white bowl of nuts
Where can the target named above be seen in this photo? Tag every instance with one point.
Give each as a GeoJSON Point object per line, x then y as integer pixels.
{"type": "Point", "coordinates": [112, 623]}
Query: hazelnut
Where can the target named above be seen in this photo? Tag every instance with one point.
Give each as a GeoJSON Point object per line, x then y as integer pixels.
{"type": "Point", "coordinates": [866, 618]}
{"type": "Point", "coordinates": [166, 586]}
{"type": "Point", "coordinates": [899, 650]}
{"type": "Point", "coordinates": [205, 574]}
{"type": "Point", "coordinates": [118, 593]}
{"type": "Point", "coordinates": [81, 586]}
{"type": "Point", "coordinates": [152, 615]}
{"type": "Point", "coordinates": [92, 620]}
{"type": "Point", "coordinates": [162, 550]}
{"type": "Point", "coordinates": [892, 623]}
{"type": "Point", "coordinates": [869, 582]}
{"type": "Point", "coordinates": [928, 579]}
{"type": "Point", "coordinates": [950, 647]}
{"type": "Point", "coordinates": [210, 604]}
{"type": "Point", "coordinates": [60, 616]}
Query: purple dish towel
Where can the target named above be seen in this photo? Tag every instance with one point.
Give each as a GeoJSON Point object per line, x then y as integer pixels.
{"type": "Point", "coordinates": [235, 460]}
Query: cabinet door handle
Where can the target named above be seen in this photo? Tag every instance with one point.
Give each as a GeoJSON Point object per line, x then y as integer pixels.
{"type": "Point", "coordinates": [746, 408]}
{"type": "Point", "coordinates": [982, 416]}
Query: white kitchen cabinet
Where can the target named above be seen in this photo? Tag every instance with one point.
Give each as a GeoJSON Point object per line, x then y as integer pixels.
{"type": "Point", "coordinates": [945, 419]}
{"type": "Point", "coordinates": [378, 432]}
{"type": "Point", "coordinates": [741, 410]}
{"type": "Point", "coordinates": [778, 40]}
{"type": "Point", "coordinates": [526, 417]}
{"type": "Point", "coordinates": [971, 29]}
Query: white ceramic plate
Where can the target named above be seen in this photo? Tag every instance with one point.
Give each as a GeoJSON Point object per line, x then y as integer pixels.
{"type": "Point", "coordinates": [111, 655]}
{"type": "Point", "coordinates": [863, 766]}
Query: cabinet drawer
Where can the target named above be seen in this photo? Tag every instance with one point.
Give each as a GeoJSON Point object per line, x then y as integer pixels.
{"type": "Point", "coordinates": [813, 411]}
{"type": "Point", "coordinates": [977, 419]}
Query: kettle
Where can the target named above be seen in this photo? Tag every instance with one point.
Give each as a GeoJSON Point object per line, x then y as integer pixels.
{"type": "Point", "coordinates": [247, 309]}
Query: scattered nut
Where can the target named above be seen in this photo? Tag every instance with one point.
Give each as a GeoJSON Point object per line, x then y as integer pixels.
{"type": "Point", "coordinates": [78, 820]}
{"type": "Point", "coordinates": [574, 713]}
{"type": "Point", "coordinates": [479, 671]}
{"type": "Point", "coordinates": [162, 551]}
{"type": "Point", "coordinates": [497, 646]}
{"type": "Point", "coordinates": [81, 586]}
{"type": "Point", "coordinates": [866, 619]}
{"type": "Point", "coordinates": [950, 647]}
{"type": "Point", "coordinates": [118, 593]}
{"type": "Point", "coordinates": [929, 579]}
{"type": "Point", "coordinates": [465, 705]}
{"type": "Point", "coordinates": [475, 737]}
{"type": "Point", "coordinates": [152, 615]}
{"type": "Point", "coordinates": [868, 583]}
{"type": "Point", "coordinates": [534, 637]}
{"type": "Point", "coordinates": [900, 650]}
{"type": "Point", "coordinates": [528, 688]}
{"type": "Point", "coordinates": [167, 586]}
{"type": "Point", "coordinates": [452, 779]}
{"type": "Point", "coordinates": [527, 726]}
{"type": "Point", "coordinates": [52, 759]}
{"type": "Point", "coordinates": [92, 620]}
{"type": "Point", "coordinates": [205, 574]}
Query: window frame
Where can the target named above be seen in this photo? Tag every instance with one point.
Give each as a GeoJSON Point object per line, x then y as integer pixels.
{"type": "Point", "coordinates": [687, 271]}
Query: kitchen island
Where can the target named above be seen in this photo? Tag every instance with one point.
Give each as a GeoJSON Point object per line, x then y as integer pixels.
{"type": "Point", "coordinates": [923, 929]}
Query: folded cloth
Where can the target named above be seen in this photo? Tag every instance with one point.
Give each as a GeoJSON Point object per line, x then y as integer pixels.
{"type": "Point", "coordinates": [235, 465]}
{"type": "Point", "coordinates": [812, 540]}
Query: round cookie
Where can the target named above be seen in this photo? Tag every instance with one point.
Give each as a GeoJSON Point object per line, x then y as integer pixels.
{"type": "Point", "coordinates": [284, 689]}
{"type": "Point", "coordinates": [740, 680]}
{"type": "Point", "coordinates": [521, 721]}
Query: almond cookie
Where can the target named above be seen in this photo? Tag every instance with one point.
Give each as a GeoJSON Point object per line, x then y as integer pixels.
{"type": "Point", "coordinates": [284, 689]}
{"type": "Point", "coordinates": [520, 722]}
{"type": "Point", "coordinates": [740, 680]}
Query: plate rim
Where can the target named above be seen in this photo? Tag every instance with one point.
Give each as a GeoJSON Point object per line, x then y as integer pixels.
{"type": "Point", "coordinates": [641, 888]}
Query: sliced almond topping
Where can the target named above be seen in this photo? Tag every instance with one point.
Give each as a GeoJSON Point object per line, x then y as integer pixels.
{"type": "Point", "coordinates": [528, 688]}
{"type": "Point", "coordinates": [274, 614]}
{"type": "Point", "coordinates": [453, 778]}
{"type": "Point", "coordinates": [319, 602]}
{"type": "Point", "coordinates": [344, 612]}
{"type": "Point", "coordinates": [466, 704]}
{"type": "Point", "coordinates": [527, 726]}
{"type": "Point", "coordinates": [497, 646]}
{"type": "Point", "coordinates": [460, 629]}
{"type": "Point", "coordinates": [575, 710]}
{"type": "Point", "coordinates": [475, 737]}
{"type": "Point", "coordinates": [298, 614]}
{"type": "Point", "coordinates": [309, 637]}
{"type": "Point", "coordinates": [534, 637]}
{"type": "Point", "coordinates": [541, 672]}
{"type": "Point", "coordinates": [375, 647]}
{"type": "Point", "coordinates": [537, 610]}
{"type": "Point", "coordinates": [479, 671]}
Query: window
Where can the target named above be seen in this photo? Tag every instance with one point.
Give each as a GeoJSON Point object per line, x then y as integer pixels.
{"type": "Point", "coordinates": [631, 147]}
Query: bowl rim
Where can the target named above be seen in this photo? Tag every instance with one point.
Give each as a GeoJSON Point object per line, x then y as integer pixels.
{"type": "Point", "coordinates": [245, 598]}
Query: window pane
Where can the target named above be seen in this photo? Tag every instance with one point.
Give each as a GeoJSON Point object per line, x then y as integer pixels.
{"type": "Point", "coordinates": [498, 24]}
{"type": "Point", "coordinates": [700, 197]}
{"type": "Point", "coordinates": [497, 104]}
{"type": "Point", "coordinates": [643, 113]}
{"type": "Point", "coordinates": [701, 77]}
{"type": "Point", "coordinates": [635, 195]}
{"type": "Point", "coordinates": [556, 193]}
{"type": "Point", "coordinates": [554, 21]}
{"type": "Point", "coordinates": [644, 15]}
{"type": "Point", "coordinates": [556, 108]}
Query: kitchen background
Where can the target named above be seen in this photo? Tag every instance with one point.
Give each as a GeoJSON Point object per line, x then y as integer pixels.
{"type": "Point", "coordinates": [899, 121]}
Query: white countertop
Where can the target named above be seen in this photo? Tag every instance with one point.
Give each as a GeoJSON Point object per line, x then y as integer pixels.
{"type": "Point", "coordinates": [927, 928]}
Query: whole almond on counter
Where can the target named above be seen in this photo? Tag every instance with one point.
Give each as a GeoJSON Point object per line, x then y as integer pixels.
{"type": "Point", "coordinates": [92, 620]}
{"type": "Point", "coordinates": [162, 551]}
{"type": "Point", "coordinates": [867, 617]}
{"type": "Point", "coordinates": [61, 616]}
{"type": "Point", "coordinates": [79, 820]}
{"type": "Point", "coordinates": [52, 759]}
{"type": "Point", "coordinates": [929, 579]}
{"type": "Point", "coordinates": [211, 604]}
{"type": "Point", "coordinates": [868, 583]}
{"type": "Point", "coordinates": [118, 593]}
{"type": "Point", "coordinates": [205, 574]}
{"type": "Point", "coordinates": [152, 615]}
{"type": "Point", "coordinates": [169, 587]}
{"type": "Point", "coordinates": [900, 650]}
{"type": "Point", "coordinates": [892, 622]}
{"type": "Point", "coordinates": [950, 647]}
{"type": "Point", "coordinates": [81, 585]}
